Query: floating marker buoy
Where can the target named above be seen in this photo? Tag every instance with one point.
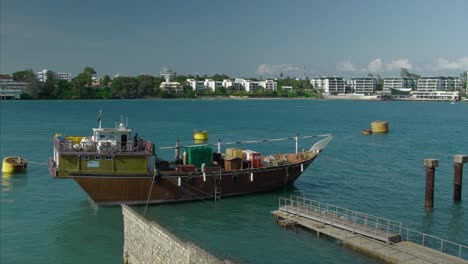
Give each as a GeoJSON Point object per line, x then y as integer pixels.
{"type": "Point", "coordinates": [379, 126]}
{"type": "Point", "coordinates": [14, 164]}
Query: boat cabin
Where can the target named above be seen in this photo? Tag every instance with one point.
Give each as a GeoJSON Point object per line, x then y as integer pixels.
{"type": "Point", "coordinates": [121, 136]}
{"type": "Point", "coordinates": [108, 150]}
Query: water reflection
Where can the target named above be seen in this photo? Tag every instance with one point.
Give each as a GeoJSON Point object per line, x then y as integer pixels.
{"type": "Point", "coordinates": [199, 141]}
{"type": "Point", "coordinates": [9, 180]}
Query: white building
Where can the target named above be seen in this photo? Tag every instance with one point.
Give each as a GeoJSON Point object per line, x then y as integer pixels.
{"type": "Point", "coordinates": [42, 76]}
{"type": "Point", "coordinates": [197, 86]}
{"type": "Point", "coordinates": [212, 84]}
{"type": "Point", "coordinates": [10, 89]}
{"type": "Point", "coordinates": [363, 85]}
{"type": "Point", "coordinates": [269, 85]}
{"type": "Point", "coordinates": [431, 84]}
{"type": "Point", "coordinates": [250, 86]}
{"type": "Point", "coordinates": [234, 85]}
{"type": "Point", "coordinates": [168, 86]}
{"type": "Point", "coordinates": [171, 87]}
{"type": "Point", "coordinates": [406, 83]}
{"type": "Point", "coordinates": [329, 85]}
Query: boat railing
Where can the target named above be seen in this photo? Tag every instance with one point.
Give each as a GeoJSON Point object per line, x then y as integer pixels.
{"type": "Point", "coordinates": [103, 147]}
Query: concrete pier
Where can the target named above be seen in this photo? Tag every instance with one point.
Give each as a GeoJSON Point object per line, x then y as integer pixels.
{"type": "Point", "coordinates": [430, 165]}
{"type": "Point", "coordinates": [146, 242]}
{"type": "Point", "coordinates": [458, 161]}
{"type": "Point", "coordinates": [372, 235]}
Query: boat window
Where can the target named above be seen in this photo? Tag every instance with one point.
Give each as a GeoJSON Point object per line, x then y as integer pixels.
{"type": "Point", "coordinates": [102, 136]}
{"type": "Point", "coordinates": [85, 157]}
{"type": "Point", "coordinates": [97, 157]}
{"type": "Point", "coordinates": [112, 136]}
{"type": "Point", "coordinates": [108, 157]}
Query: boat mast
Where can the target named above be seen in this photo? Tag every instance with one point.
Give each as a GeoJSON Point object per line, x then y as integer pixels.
{"type": "Point", "coordinates": [100, 118]}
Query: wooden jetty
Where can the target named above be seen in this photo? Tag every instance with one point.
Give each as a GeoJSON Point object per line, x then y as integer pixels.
{"type": "Point", "coordinates": [385, 239]}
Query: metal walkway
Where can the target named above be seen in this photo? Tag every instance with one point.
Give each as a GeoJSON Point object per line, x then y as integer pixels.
{"type": "Point", "coordinates": [377, 236]}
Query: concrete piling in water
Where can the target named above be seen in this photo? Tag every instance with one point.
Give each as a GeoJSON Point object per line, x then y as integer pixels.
{"type": "Point", "coordinates": [458, 161]}
{"type": "Point", "coordinates": [430, 165]}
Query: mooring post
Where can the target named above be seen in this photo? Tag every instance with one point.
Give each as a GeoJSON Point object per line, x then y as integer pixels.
{"type": "Point", "coordinates": [458, 161]}
{"type": "Point", "coordinates": [430, 165]}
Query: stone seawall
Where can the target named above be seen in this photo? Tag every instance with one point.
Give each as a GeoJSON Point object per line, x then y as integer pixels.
{"type": "Point", "coordinates": [147, 242]}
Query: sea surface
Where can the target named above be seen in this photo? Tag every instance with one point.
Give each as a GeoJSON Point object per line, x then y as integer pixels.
{"type": "Point", "coordinates": [46, 220]}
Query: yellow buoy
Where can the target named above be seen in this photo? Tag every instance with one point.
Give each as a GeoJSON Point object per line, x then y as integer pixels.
{"type": "Point", "coordinates": [379, 126]}
{"type": "Point", "coordinates": [200, 135]}
{"type": "Point", "coordinates": [14, 164]}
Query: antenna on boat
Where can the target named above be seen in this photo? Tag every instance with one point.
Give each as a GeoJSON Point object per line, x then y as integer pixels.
{"type": "Point", "coordinates": [126, 123]}
{"type": "Point", "coordinates": [177, 149]}
{"type": "Point", "coordinates": [99, 118]}
{"type": "Point", "coordinates": [297, 142]}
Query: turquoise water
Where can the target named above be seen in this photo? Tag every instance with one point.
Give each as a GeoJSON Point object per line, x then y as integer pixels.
{"type": "Point", "coordinates": [46, 220]}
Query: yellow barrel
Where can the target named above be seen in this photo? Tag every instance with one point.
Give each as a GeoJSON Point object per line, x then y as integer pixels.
{"type": "Point", "coordinates": [379, 126]}
{"type": "Point", "coordinates": [14, 164]}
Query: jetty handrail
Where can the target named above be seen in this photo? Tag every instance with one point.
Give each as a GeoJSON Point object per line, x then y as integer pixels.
{"type": "Point", "coordinates": [364, 223]}
{"type": "Point", "coordinates": [361, 221]}
{"type": "Point", "coordinates": [247, 142]}
{"type": "Point", "coordinates": [436, 243]}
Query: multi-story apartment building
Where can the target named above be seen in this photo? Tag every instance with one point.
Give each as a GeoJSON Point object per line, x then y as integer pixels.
{"type": "Point", "coordinates": [212, 85]}
{"type": "Point", "coordinates": [233, 84]}
{"type": "Point", "coordinates": [250, 86]}
{"type": "Point", "coordinates": [402, 84]}
{"type": "Point", "coordinates": [452, 83]}
{"type": "Point", "coordinates": [431, 84]}
{"type": "Point", "coordinates": [269, 85]}
{"type": "Point", "coordinates": [171, 87]}
{"type": "Point", "coordinates": [11, 89]}
{"type": "Point", "coordinates": [363, 85]}
{"type": "Point", "coordinates": [329, 85]}
{"type": "Point", "coordinates": [168, 86]}
{"type": "Point", "coordinates": [197, 86]}
{"type": "Point", "coordinates": [42, 76]}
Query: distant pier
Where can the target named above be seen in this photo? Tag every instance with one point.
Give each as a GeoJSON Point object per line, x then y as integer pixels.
{"type": "Point", "coordinates": [376, 236]}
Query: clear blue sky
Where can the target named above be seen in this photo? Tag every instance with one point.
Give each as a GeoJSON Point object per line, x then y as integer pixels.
{"type": "Point", "coordinates": [242, 38]}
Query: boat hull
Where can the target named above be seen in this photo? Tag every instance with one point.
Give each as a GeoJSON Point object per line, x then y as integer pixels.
{"type": "Point", "coordinates": [106, 190]}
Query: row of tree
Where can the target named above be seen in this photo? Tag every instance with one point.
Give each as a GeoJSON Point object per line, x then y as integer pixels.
{"type": "Point", "coordinates": [85, 86]}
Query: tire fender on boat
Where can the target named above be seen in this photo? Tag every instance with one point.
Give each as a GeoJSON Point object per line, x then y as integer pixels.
{"type": "Point", "coordinates": [190, 180]}
{"type": "Point", "coordinates": [235, 177]}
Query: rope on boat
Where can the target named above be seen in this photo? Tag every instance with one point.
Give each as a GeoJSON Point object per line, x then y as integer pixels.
{"type": "Point", "coordinates": [151, 190]}
{"type": "Point", "coordinates": [246, 142]}
{"type": "Point", "coordinates": [37, 163]}
{"type": "Point", "coordinates": [196, 196]}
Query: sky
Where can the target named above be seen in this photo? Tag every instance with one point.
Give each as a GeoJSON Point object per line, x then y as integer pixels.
{"type": "Point", "coordinates": [241, 38]}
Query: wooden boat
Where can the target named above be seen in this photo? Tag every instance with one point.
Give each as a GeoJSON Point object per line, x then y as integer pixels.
{"type": "Point", "coordinates": [366, 132]}
{"type": "Point", "coordinates": [200, 135]}
{"type": "Point", "coordinates": [112, 169]}
{"type": "Point", "coordinates": [14, 164]}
